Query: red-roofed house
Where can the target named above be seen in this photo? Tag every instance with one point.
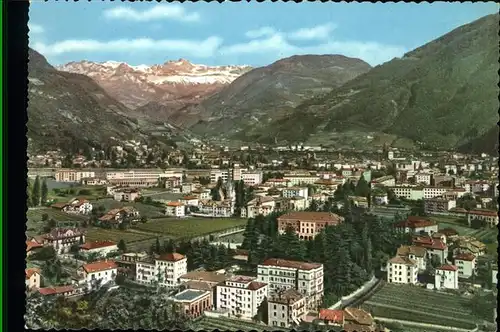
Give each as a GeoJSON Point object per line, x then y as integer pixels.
{"type": "Point", "coordinates": [175, 209]}
{"type": "Point", "coordinates": [171, 267]}
{"type": "Point", "coordinates": [433, 246]}
{"type": "Point", "coordinates": [416, 225]}
{"type": "Point", "coordinates": [33, 278]}
{"type": "Point", "coordinates": [98, 272]}
{"type": "Point", "coordinates": [58, 291]}
{"type": "Point", "coordinates": [63, 238]}
{"type": "Point", "coordinates": [101, 248]}
{"type": "Point", "coordinates": [491, 217]}
{"type": "Point", "coordinates": [32, 246]}
{"type": "Point", "coordinates": [331, 317]}
{"type": "Point", "coordinates": [446, 277]}
{"type": "Point", "coordinates": [75, 205]}
{"type": "Point", "coordinates": [466, 263]}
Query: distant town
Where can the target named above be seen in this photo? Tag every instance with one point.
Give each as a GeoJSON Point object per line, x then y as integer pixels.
{"type": "Point", "coordinates": [261, 237]}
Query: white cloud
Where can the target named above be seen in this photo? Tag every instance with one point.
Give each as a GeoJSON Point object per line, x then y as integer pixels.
{"type": "Point", "coordinates": [318, 32]}
{"type": "Point", "coordinates": [35, 28]}
{"type": "Point", "coordinates": [158, 12]}
{"type": "Point", "coordinates": [278, 46]}
{"type": "Point", "coordinates": [199, 48]}
{"type": "Point", "coordinates": [261, 32]}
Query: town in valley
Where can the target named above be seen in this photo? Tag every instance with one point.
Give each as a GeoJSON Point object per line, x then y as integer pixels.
{"type": "Point", "coordinates": [205, 219]}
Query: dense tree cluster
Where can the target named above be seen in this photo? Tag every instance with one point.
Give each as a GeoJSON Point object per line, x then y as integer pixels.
{"type": "Point", "coordinates": [350, 252]}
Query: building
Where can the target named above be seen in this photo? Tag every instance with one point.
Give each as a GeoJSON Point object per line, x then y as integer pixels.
{"type": "Point", "coordinates": [280, 275]}
{"type": "Point", "coordinates": [331, 317]}
{"type": "Point", "coordinates": [98, 273]}
{"type": "Point", "coordinates": [433, 246]}
{"type": "Point", "coordinates": [74, 206]}
{"type": "Point", "coordinates": [300, 179]}
{"type": "Point", "coordinates": [222, 209]}
{"type": "Point", "coordinates": [386, 181]}
{"type": "Point", "coordinates": [423, 178]}
{"type": "Point", "coordinates": [490, 217]}
{"type": "Point", "coordinates": [170, 268]}
{"type": "Point", "coordinates": [252, 178]}
{"type": "Point", "coordinates": [115, 217]}
{"type": "Point", "coordinates": [128, 261]}
{"type": "Point", "coordinates": [408, 192]}
{"type": "Point", "coordinates": [418, 254]}
{"type": "Point", "coordinates": [223, 174]}
{"type": "Point", "coordinates": [101, 248]}
{"type": "Point", "coordinates": [33, 278]}
{"type": "Point", "coordinates": [438, 205]}
{"type": "Point", "coordinates": [175, 209]}
{"type": "Point", "coordinates": [286, 309]}
{"type": "Point", "coordinates": [446, 277]}
{"type": "Point", "coordinates": [126, 195]}
{"type": "Point", "coordinates": [308, 224]}
{"type": "Point", "coordinates": [63, 238]}
{"type": "Point", "coordinates": [58, 291]}
{"type": "Point", "coordinates": [241, 296]}
{"type": "Point", "coordinates": [402, 270]}
{"type": "Point", "coordinates": [417, 225]}
{"type": "Point", "coordinates": [94, 182]}
{"type": "Point", "coordinates": [70, 175]}
{"type": "Point", "coordinates": [145, 271]}
{"type": "Point", "coordinates": [261, 205]}
{"type": "Point", "coordinates": [431, 192]}
{"type": "Point", "coordinates": [193, 302]}
{"type": "Point", "coordinates": [172, 182]}
{"type": "Point", "coordinates": [466, 264]}
{"type": "Point", "coordinates": [295, 192]}
{"type": "Point", "coordinates": [358, 320]}
{"type": "Point", "coordinates": [203, 280]}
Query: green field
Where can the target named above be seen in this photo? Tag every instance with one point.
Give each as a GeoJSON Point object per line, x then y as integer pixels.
{"type": "Point", "coordinates": [34, 219]}
{"type": "Point", "coordinates": [189, 227]}
{"type": "Point", "coordinates": [417, 304]}
{"type": "Point", "coordinates": [148, 211]}
{"type": "Point", "coordinates": [129, 236]}
{"type": "Point", "coordinates": [228, 324]}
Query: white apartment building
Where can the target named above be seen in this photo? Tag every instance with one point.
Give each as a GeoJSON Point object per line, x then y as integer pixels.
{"type": "Point", "coordinates": [431, 192]}
{"type": "Point", "coordinates": [280, 275]}
{"type": "Point", "coordinates": [70, 175]}
{"type": "Point", "coordinates": [466, 264]}
{"type": "Point", "coordinates": [237, 173]}
{"type": "Point", "coordinates": [295, 191]}
{"type": "Point", "coordinates": [424, 178]}
{"type": "Point", "coordinates": [258, 206]}
{"type": "Point", "coordinates": [224, 174]}
{"type": "Point", "coordinates": [241, 296]}
{"type": "Point", "coordinates": [252, 178]}
{"type": "Point", "coordinates": [408, 192]}
{"type": "Point", "coordinates": [402, 270]}
{"type": "Point", "coordinates": [446, 277]}
{"type": "Point", "coordinates": [98, 273]}
{"type": "Point", "coordinates": [301, 179]}
{"type": "Point", "coordinates": [216, 209]}
{"type": "Point", "coordinates": [165, 270]}
{"type": "Point", "coordinates": [175, 209]}
{"type": "Point", "coordinates": [286, 309]}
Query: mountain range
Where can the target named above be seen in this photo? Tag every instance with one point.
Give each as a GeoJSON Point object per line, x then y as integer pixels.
{"type": "Point", "coordinates": [443, 94]}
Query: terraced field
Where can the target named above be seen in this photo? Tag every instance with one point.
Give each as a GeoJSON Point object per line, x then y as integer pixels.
{"type": "Point", "coordinates": [416, 304]}
{"type": "Point", "coordinates": [228, 324]}
{"type": "Point", "coordinates": [189, 227]}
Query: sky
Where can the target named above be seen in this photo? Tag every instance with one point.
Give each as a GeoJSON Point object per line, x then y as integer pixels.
{"type": "Point", "coordinates": [255, 34]}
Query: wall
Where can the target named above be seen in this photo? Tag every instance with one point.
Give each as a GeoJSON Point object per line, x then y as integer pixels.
{"type": "Point", "coordinates": [345, 300]}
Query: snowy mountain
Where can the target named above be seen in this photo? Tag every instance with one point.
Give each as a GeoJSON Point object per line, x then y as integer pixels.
{"type": "Point", "coordinates": [174, 84]}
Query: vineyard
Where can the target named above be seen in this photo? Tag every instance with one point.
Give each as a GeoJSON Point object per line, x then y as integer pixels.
{"type": "Point", "coordinates": [228, 324]}
{"type": "Point", "coordinates": [189, 227]}
{"type": "Point", "coordinates": [415, 304]}
{"type": "Point", "coordinates": [129, 236]}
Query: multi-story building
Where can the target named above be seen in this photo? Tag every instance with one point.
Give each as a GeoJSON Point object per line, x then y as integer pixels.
{"type": "Point", "coordinates": [261, 205]}
{"type": "Point", "coordinates": [224, 209]}
{"type": "Point", "coordinates": [193, 302]}
{"type": "Point", "coordinates": [126, 195]}
{"type": "Point", "coordinates": [402, 270]}
{"type": "Point", "coordinates": [241, 296]}
{"type": "Point", "coordinates": [408, 192]}
{"type": "Point", "coordinates": [307, 278]}
{"type": "Point", "coordinates": [70, 175]}
{"type": "Point", "coordinates": [175, 209]}
{"type": "Point", "coordinates": [63, 238]}
{"type": "Point", "coordinates": [416, 225]}
{"type": "Point", "coordinates": [308, 224]}
{"type": "Point", "coordinates": [446, 277]}
{"type": "Point", "coordinates": [438, 205]}
{"type": "Point", "coordinates": [33, 278]}
{"type": "Point", "coordinates": [74, 206]}
{"type": "Point", "coordinates": [466, 264]}
{"type": "Point", "coordinates": [224, 174]}
{"type": "Point", "coordinates": [138, 177]}
{"type": "Point", "coordinates": [431, 192]}
{"type": "Point", "coordinates": [387, 181]}
{"type": "Point", "coordinates": [170, 267]}
{"type": "Point", "coordinates": [286, 309]}
{"type": "Point", "coordinates": [433, 246]}
{"type": "Point", "coordinates": [423, 178]}
{"type": "Point", "coordinates": [298, 179]}
{"type": "Point", "coordinates": [98, 273]}
{"type": "Point", "coordinates": [490, 217]}
{"type": "Point", "coordinates": [251, 178]}
{"type": "Point", "coordinates": [418, 254]}
{"type": "Point", "coordinates": [295, 191]}
{"type": "Point", "coordinates": [145, 271]}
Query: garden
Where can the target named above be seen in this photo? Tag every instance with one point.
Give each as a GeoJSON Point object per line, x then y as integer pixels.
{"type": "Point", "coordinates": [189, 227]}
{"type": "Point", "coordinates": [415, 304]}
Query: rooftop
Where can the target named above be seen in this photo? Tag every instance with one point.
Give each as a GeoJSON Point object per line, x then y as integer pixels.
{"type": "Point", "coordinates": [99, 266]}
{"type": "Point", "coordinates": [312, 216]}
{"type": "Point", "coordinates": [97, 244]}
{"type": "Point", "coordinates": [189, 295]}
{"type": "Point", "coordinates": [204, 276]}
{"type": "Point", "coordinates": [335, 316]}
{"type": "Point", "coordinates": [291, 264]}
{"type": "Point", "coordinates": [171, 257]}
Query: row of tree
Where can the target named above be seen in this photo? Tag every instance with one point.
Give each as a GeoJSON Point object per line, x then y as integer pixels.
{"type": "Point", "coordinates": [37, 193]}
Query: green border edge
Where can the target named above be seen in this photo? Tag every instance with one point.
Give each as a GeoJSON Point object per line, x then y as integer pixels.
{"type": "Point", "coordinates": [2, 293]}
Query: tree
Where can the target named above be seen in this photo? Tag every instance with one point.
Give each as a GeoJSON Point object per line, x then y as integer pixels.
{"type": "Point", "coordinates": [29, 191]}
{"type": "Point", "coordinates": [44, 192]}
{"type": "Point", "coordinates": [45, 217]}
{"type": "Point", "coordinates": [362, 187]}
{"type": "Point", "coordinates": [35, 194]}
{"type": "Point", "coordinates": [262, 311]}
{"type": "Point", "coordinates": [122, 246]}
{"type": "Point", "coordinates": [157, 246]}
{"type": "Point", "coordinates": [478, 223]}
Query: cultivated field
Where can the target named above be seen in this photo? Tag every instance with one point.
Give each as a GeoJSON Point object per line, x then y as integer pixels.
{"type": "Point", "coordinates": [189, 227]}
{"type": "Point", "coordinates": [34, 219]}
{"type": "Point", "coordinates": [129, 236]}
{"type": "Point", "coordinates": [416, 304]}
{"type": "Point", "coordinates": [148, 211]}
{"type": "Point", "coordinates": [228, 324]}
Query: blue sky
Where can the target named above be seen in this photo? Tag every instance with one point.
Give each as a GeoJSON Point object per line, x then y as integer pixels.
{"type": "Point", "coordinates": [238, 33]}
